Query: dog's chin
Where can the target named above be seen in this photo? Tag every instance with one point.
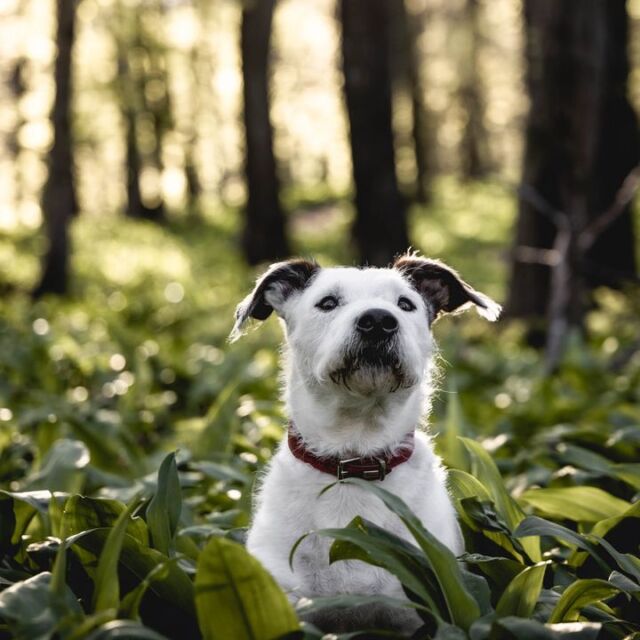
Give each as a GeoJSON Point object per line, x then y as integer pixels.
{"type": "Point", "coordinates": [372, 374]}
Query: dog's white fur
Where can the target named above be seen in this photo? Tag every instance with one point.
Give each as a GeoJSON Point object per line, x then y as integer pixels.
{"type": "Point", "coordinates": [368, 410]}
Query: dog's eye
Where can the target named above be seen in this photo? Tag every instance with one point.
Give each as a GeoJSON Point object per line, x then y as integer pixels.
{"type": "Point", "coordinates": [406, 305]}
{"type": "Point", "coordinates": [328, 303]}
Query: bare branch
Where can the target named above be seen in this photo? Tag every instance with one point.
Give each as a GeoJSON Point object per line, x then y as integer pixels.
{"type": "Point", "coordinates": [536, 255]}
{"type": "Point", "coordinates": [623, 197]}
{"type": "Point", "coordinates": [533, 197]}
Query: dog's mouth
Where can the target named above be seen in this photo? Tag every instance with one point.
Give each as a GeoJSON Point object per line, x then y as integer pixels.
{"type": "Point", "coordinates": [369, 368]}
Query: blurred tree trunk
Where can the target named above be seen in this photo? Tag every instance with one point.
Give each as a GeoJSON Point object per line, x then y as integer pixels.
{"type": "Point", "coordinates": [135, 58]}
{"type": "Point", "coordinates": [581, 143]}
{"type": "Point", "coordinates": [612, 259]}
{"type": "Point", "coordinates": [407, 78]}
{"type": "Point", "coordinates": [380, 229]}
{"type": "Point", "coordinates": [59, 199]}
{"type": "Point", "coordinates": [473, 147]}
{"type": "Point", "coordinates": [264, 233]}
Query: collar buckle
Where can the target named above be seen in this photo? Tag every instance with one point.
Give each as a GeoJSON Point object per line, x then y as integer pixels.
{"type": "Point", "coordinates": [366, 474]}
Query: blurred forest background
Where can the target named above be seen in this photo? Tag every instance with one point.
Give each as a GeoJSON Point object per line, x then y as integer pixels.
{"type": "Point", "coordinates": [154, 152]}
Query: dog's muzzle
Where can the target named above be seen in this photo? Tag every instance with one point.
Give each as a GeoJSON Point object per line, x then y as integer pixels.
{"type": "Point", "coordinates": [376, 325]}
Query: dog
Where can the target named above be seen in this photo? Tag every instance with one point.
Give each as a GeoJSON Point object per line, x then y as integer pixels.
{"type": "Point", "coordinates": [358, 370]}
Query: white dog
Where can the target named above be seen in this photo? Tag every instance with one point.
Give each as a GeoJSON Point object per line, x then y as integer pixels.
{"type": "Point", "coordinates": [357, 384]}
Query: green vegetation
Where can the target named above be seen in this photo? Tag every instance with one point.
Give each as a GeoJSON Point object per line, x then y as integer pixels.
{"type": "Point", "coordinates": [105, 533]}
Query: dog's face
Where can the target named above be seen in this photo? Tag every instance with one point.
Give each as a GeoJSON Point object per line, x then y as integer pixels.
{"type": "Point", "coordinates": [363, 331]}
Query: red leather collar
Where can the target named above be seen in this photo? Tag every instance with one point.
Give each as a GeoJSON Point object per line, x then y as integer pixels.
{"type": "Point", "coordinates": [366, 467]}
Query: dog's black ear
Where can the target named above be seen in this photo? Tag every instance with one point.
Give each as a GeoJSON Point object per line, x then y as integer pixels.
{"type": "Point", "coordinates": [443, 289]}
{"type": "Point", "coordinates": [272, 289]}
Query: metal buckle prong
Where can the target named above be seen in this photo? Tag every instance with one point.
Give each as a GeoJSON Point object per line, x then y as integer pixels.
{"type": "Point", "coordinates": [374, 474]}
{"type": "Point", "coordinates": [342, 472]}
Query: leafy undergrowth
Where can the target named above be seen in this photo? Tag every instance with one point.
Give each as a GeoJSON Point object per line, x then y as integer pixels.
{"type": "Point", "coordinates": [106, 533]}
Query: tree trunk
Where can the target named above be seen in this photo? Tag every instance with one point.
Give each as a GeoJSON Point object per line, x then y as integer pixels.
{"type": "Point", "coordinates": [473, 146]}
{"type": "Point", "coordinates": [133, 104]}
{"type": "Point", "coordinates": [407, 77]}
{"type": "Point", "coordinates": [581, 143]}
{"type": "Point", "coordinates": [59, 199]}
{"type": "Point", "coordinates": [380, 229]}
{"type": "Point", "coordinates": [264, 234]}
{"type": "Point", "coordinates": [612, 258]}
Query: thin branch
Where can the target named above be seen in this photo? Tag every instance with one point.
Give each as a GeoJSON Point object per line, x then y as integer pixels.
{"type": "Point", "coordinates": [536, 255]}
{"type": "Point", "coordinates": [624, 196]}
{"type": "Point", "coordinates": [533, 197]}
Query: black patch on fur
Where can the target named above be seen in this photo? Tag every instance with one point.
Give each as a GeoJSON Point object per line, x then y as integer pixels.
{"type": "Point", "coordinates": [440, 286]}
{"type": "Point", "coordinates": [291, 276]}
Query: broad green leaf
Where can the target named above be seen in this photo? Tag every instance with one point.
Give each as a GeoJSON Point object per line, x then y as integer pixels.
{"type": "Point", "coordinates": [82, 513]}
{"type": "Point", "coordinates": [603, 527]}
{"type": "Point", "coordinates": [521, 596]}
{"type": "Point", "coordinates": [63, 467]}
{"type": "Point", "coordinates": [237, 598]}
{"type": "Point", "coordinates": [124, 630]}
{"type": "Point", "coordinates": [578, 595]}
{"type": "Point", "coordinates": [581, 504]}
{"type": "Point", "coordinates": [176, 588]}
{"type": "Point", "coordinates": [627, 562]}
{"type": "Point", "coordinates": [485, 470]}
{"type": "Point", "coordinates": [484, 518]}
{"type": "Point", "coordinates": [130, 604]}
{"type": "Point", "coordinates": [534, 526]}
{"type": "Point", "coordinates": [463, 608]}
{"type": "Point", "coordinates": [513, 628]}
{"type": "Point", "coordinates": [346, 601]}
{"type": "Point", "coordinates": [221, 471]}
{"type": "Point", "coordinates": [33, 612]}
{"type": "Point", "coordinates": [623, 583]}
{"type": "Point", "coordinates": [17, 509]}
{"type": "Point", "coordinates": [163, 512]}
{"type": "Point", "coordinates": [363, 540]}
{"type": "Point", "coordinates": [500, 571]}
{"type": "Point", "coordinates": [106, 593]}
{"type": "Point", "coordinates": [594, 462]}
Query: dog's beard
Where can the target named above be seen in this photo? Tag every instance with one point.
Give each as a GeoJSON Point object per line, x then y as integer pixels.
{"type": "Point", "coordinates": [372, 368]}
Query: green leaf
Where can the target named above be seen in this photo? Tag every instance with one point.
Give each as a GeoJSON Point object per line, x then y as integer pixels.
{"type": "Point", "coordinates": [163, 512]}
{"type": "Point", "coordinates": [483, 517]}
{"type": "Point", "coordinates": [365, 541]}
{"type": "Point", "coordinates": [580, 504]}
{"type": "Point", "coordinates": [500, 571]}
{"type": "Point", "coordinates": [346, 601]}
{"type": "Point", "coordinates": [521, 596]}
{"type": "Point", "coordinates": [603, 527]}
{"type": "Point", "coordinates": [534, 526]}
{"type": "Point", "coordinates": [176, 589]}
{"type": "Point", "coordinates": [485, 470]}
{"type": "Point", "coordinates": [33, 611]}
{"type": "Point", "coordinates": [17, 509]}
{"type": "Point", "coordinates": [463, 608]}
{"type": "Point", "coordinates": [513, 628]}
{"type": "Point", "coordinates": [237, 598]}
{"type": "Point", "coordinates": [82, 513]}
{"type": "Point", "coordinates": [124, 630]}
{"type": "Point", "coordinates": [106, 594]}
{"type": "Point", "coordinates": [63, 467]}
{"type": "Point", "coordinates": [596, 463]}
{"type": "Point", "coordinates": [453, 451]}
{"type": "Point", "coordinates": [578, 595]}
{"type": "Point", "coordinates": [130, 604]}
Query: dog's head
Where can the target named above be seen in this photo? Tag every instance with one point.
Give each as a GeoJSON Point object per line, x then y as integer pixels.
{"type": "Point", "coordinates": [366, 331]}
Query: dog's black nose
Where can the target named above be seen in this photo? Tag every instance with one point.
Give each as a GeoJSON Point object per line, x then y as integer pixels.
{"type": "Point", "coordinates": [377, 324]}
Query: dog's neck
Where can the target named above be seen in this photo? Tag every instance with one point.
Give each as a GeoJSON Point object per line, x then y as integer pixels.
{"type": "Point", "coordinates": [334, 422]}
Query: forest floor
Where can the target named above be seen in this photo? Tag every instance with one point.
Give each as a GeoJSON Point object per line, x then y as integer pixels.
{"type": "Point", "coordinates": [97, 389]}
